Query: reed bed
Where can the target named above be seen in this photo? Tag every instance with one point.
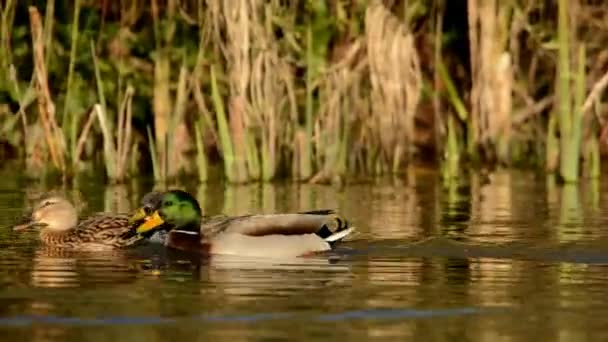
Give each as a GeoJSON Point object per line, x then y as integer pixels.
{"type": "Point", "coordinates": [317, 91]}
{"type": "Point", "coordinates": [396, 83]}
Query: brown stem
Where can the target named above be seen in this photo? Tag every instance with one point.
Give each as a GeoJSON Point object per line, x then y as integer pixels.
{"type": "Point", "coordinates": [45, 103]}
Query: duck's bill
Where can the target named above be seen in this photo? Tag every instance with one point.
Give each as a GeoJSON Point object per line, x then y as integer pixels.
{"type": "Point", "coordinates": [139, 215]}
{"type": "Point", "coordinates": [152, 222]}
{"type": "Point", "coordinates": [24, 226]}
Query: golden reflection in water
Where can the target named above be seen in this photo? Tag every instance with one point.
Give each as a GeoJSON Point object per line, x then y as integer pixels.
{"type": "Point", "coordinates": [54, 268]}
{"type": "Point", "coordinates": [552, 189]}
{"type": "Point", "coordinates": [245, 279]}
{"type": "Point", "coordinates": [490, 204]}
{"type": "Point", "coordinates": [269, 198]}
{"type": "Point", "coordinates": [305, 197]}
{"type": "Point", "coordinates": [570, 227]}
{"type": "Point", "coordinates": [61, 268]}
{"type": "Point", "coordinates": [395, 272]}
{"type": "Point", "coordinates": [394, 210]}
{"type": "Point", "coordinates": [201, 196]}
{"type": "Point", "coordinates": [572, 285]}
{"type": "Point", "coordinates": [397, 275]}
{"type": "Point", "coordinates": [453, 207]}
{"type": "Point", "coordinates": [240, 199]}
{"type": "Point", "coordinates": [592, 189]}
{"type": "Point", "coordinates": [494, 282]}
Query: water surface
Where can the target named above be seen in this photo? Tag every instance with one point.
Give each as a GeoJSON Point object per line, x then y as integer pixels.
{"type": "Point", "coordinates": [509, 256]}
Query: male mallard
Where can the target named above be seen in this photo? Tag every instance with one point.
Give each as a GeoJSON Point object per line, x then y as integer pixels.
{"type": "Point", "coordinates": [270, 235]}
{"type": "Point", "coordinates": [58, 222]}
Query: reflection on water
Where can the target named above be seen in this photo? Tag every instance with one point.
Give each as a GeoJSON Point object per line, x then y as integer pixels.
{"type": "Point", "coordinates": [504, 256]}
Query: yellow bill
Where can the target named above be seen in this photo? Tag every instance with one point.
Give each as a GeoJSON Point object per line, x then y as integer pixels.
{"type": "Point", "coordinates": [139, 215]}
{"type": "Point", "coordinates": [151, 222]}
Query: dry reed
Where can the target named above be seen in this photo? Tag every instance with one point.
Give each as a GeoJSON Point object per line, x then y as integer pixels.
{"type": "Point", "coordinates": [341, 107]}
{"type": "Point", "coordinates": [396, 82]}
{"type": "Point", "coordinates": [261, 95]}
{"type": "Point", "coordinates": [161, 94]}
{"type": "Point", "coordinates": [46, 107]}
{"type": "Point", "coordinates": [490, 117]}
{"type": "Point", "coordinates": [355, 110]}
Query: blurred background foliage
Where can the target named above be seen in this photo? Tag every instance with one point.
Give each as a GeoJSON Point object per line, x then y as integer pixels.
{"type": "Point", "coordinates": [314, 90]}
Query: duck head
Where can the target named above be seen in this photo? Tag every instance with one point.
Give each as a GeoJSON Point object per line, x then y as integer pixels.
{"type": "Point", "coordinates": [175, 209]}
{"type": "Point", "coordinates": [149, 203]}
{"type": "Point", "coordinates": [53, 213]}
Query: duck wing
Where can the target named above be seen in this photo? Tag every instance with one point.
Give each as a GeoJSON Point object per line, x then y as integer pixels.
{"type": "Point", "coordinates": [108, 229]}
{"type": "Point", "coordinates": [324, 223]}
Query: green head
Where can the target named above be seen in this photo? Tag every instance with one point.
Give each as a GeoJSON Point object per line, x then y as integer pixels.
{"type": "Point", "coordinates": [176, 209]}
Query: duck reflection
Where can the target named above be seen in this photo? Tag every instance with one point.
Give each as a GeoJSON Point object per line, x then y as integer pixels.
{"type": "Point", "coordinates": [57, 267]}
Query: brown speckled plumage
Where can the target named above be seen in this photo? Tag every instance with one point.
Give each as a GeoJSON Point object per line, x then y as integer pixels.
{"type": "Point", "coordinates": [59, 227]}
{"type": "Point", "coordinates": [102, 231]}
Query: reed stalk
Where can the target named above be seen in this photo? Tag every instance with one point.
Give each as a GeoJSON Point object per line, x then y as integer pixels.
{"type": "Point", "coordinates": [174, 150]}
{"type": "Point", "coordinates": [252, 156]}
{"type": "Point", "coordinates": [108, 144]}
{"type": "Point", "coordinates": [592, 156]}
{"type": "Point", "coordinates": [450, 167]}
{"type": "Point", "coordinates": [552, 145]}
{"type": "Point", "coordinates": [438, 128]}
{"type": "Point", "coordinates": [569, 113]}
{"type": "Point", "coordinates": [124, 138]}
{"type": "Point", "coordinates": [564, 98]}
{"type": "Point", "coordinates": [344, 131]}
{"type": "Point", "coordinates": [452, 147]}
{"type": "Point", "coordinates": [491, 74]}
{"type": "Point", "coordinates": [109, 150]}
{"type": "Point", "coordinates": [452, 93]}
{"type": "Point", "coordinates": [116, 145]}
{"type": "Point", "coordinates": [153, 155]}
{"type": "Point", "coordinates": [163, 36]}
{"type": "Point", "coordinates": [206, 122]}
{"type": "Point", "coordinates": [241, 18]}
{"type": "Point", "coordinates": [46, 107]}
{"type": "Point", "coordinates": [49, 23]}
{"type": "Point", "coordinates": [84, 135]}
{"type": "Point", "coordinates": [71, 128]}
{"type": "Point", "coordinates": [260, 94]}
{"type": "Point", "coordinates": [271, 95]}
{"type": "Point", "coordinates": [222, 129]}
{"type": "Point", "coordinates": [201, 156]}
{"type": "Point", "coordinates": [305, 169]}
{"type": "Point", "coordinates": [473, 120]}
{"type": "Point", "coordinates": [340, 90]}
{"type": "Point", "coordinates": [7, 19]}
{"type": "Point", "coordinates": [500, 121]}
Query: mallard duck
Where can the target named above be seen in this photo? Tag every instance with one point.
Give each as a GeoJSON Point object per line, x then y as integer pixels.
{"type": "Point", "coordinates": [266, 235]}
{"type": "Point", "coordinates": [57, 220]}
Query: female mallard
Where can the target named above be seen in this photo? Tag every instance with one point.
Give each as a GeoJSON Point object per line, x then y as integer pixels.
{"type": "Point", "coordinates": [273, 235]}
{"type": "Point", "coordinates": [57, 220]}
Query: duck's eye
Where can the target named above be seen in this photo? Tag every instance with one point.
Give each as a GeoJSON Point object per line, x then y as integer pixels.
{"type": "Point", "coordinates": [168, 203]}
{"type": "Point", "coordinates": [147, 210]}
{"type": "Point", "coordinates": [46, 203]}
